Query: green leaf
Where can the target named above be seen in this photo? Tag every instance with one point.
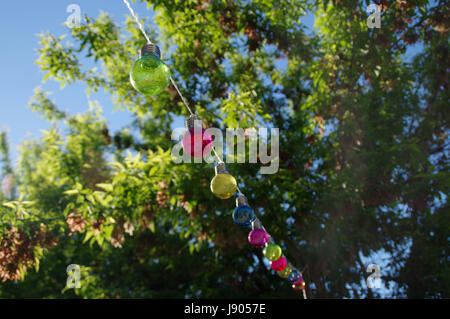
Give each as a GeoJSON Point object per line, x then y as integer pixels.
{"type": "Point", "coordinates": [152, 226]}
{"type": "Point", "coordinates": [153, 170]}
{"type": "Point", "coordinates": [100, 239]}
{"type": "Point", "coordinates": [88, 235]}
{"type": "Point", "coordinates": [106, 187]}
{"type": "Point", "coordinates": [10, 205]}
{"type": "Point", "coordinates": [71, 192]}
{"type": "Point", "coordinates": [107, 231]}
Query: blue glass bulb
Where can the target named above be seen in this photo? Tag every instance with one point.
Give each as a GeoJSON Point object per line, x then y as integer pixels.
{"type": "Point", "coordinates": [294, 276]}
{"type": "Point", "coordinates": [243, 215]}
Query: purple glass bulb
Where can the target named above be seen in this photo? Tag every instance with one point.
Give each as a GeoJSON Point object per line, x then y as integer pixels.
{"type": "Point", "coordinates": [257, 238]}
{"type": "Point", "coordinates": [299, 285]}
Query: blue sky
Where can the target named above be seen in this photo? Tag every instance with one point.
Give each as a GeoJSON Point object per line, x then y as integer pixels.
{"type": "Point", "coordinates": [20, 22]}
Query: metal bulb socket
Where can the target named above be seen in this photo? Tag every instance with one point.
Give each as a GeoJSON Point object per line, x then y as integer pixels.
{"type": "Point", "coordinates": [221, 169]}
{"type": "Point", "coordinates": [150, 49]}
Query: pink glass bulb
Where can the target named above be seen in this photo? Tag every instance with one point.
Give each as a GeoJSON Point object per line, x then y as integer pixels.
{"type": "Point", "coordinates": [257, 238]}
{"type": "Point", "coordinates": [279, 264]}
{"type": "Point", "coordinates": [299, 285]}
{"type": "Point", "coordinates": [196, 142]}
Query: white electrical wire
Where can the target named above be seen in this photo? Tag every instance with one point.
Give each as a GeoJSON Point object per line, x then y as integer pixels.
{"type": "Point", "coordinates": [217, 156]}
{"type": "Point", "coordinates": [137, 21]}
{"type": "Point", "coordinates": [181, 95]}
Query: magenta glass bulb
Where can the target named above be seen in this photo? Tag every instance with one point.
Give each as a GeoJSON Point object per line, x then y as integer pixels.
{"type": "Point", "coordinates": [257, 237]}
{"type": "Point", "coordinates": [279, 264]}
{"type": "Point", "coordinates": [299, 285]}
{"type": "Point", "coordinates": [196, 142]}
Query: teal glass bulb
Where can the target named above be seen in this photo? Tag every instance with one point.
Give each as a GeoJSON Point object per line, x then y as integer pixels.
{"type": "Point", "coordinates": [149, 75]}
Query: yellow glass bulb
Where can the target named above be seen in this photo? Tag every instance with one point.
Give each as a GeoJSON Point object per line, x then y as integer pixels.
{"type": "Point", "coordinates": [285, 272]}
{"type": "Point", "coordinates": [223, 185]}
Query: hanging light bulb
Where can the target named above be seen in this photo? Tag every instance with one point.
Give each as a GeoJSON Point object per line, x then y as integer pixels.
{"type": "Point", "coordinates": [299, 285]}
{"type": "Point", "coordinates": [279, 264]}
{"type": "Point", "coordinates": [272, 252]}
{"type": "Point", "coordinates": [243, 215]}
{"type": "Point", "coordinates": [196, 141]}
{"type": "Point", "coordinates": [223, 185]}
{"type": "Point", "coordinates": [285, 273]}
{"type": "Point", "coordinates": [294, 276]}
{"type": "Point", "coordinates": [257, 237]}
{"type": "Point", "coordinates": [149, 75]}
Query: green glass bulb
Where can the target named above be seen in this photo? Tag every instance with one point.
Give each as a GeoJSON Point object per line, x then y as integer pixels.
{"type": "Point", "coordinates": [149, 75]}
{"type": "Point", "coordinates": [272, 252]}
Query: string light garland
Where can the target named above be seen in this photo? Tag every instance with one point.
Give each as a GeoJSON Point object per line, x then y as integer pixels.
{"type": "Point", "coordinates": [149, 75]}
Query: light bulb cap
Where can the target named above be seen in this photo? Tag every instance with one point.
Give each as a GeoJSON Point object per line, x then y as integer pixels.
{"type": "Point", "coordinates": [241, 200]}
{"type": "Point", "coordinates": [193, 121]}
{"type": "Point", "coordinates": [221, 168]}
{"type": "Point", "coordinates": [256, 224]}
{"type": "Point", "coordinates": [150, 49]}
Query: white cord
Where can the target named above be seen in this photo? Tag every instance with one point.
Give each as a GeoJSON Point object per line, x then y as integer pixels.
{"type": "Point", "coordinates": [217, 156]}
{"type": "Point", "coordinates": [181, 95]}
{"type": "Point", "coordinates": [137, 21]}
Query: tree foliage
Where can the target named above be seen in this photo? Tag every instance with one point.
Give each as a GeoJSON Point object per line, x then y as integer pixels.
{"type": "Point", "coordinates": [363, 155]}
